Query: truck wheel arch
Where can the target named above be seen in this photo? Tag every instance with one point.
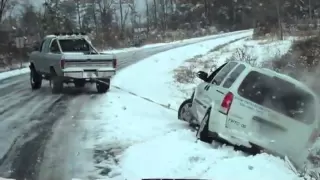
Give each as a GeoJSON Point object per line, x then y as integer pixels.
{"type": "Point", "coordinates": [52, 71]}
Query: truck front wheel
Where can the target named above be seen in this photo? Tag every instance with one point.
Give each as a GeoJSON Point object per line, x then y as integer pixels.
{"type": "Point", "coordinates": [56, 85]}
{"type": "Point", "coordinates": [103, 85]}
{"type": "Point", "coordinates": [35, 79]}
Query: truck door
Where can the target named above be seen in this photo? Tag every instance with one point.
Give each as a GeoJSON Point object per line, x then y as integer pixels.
{"type": "Point", "coordinates": [39, 59]}
{"type": "Point", "coordinates": [53, 56]}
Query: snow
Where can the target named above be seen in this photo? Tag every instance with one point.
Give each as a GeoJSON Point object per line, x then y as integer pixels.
{"type": "Point", "coordinates": [181, 42]}
{"type": "Point", "coordinates": [177, 155]}
{"type": "Point", "coordinates": [262, 51]}
{"type": "Point", "coordinates": [136, 124]}
{"type": "Point", "coordinates": [11, 73]}
{"type": "Point", "coordinates": [165, 63]}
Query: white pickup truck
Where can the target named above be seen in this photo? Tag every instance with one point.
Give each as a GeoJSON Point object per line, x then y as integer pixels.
{"type": "Point", "coordinates": [63, 58]}
{"type": "Point", "coordinates": [256, 108]}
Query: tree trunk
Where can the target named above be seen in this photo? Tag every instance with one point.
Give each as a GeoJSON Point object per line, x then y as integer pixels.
{"type": "Point", "coordinates": [121, 19]}
{"type": "Point", "coordinates": [155, 14]}
{"type": "Point", "coordinates": [148, 18]}
{"type": "Point", "coordinates": [79, 15]}
{"type": "Point", "coordinates": [279, 19]}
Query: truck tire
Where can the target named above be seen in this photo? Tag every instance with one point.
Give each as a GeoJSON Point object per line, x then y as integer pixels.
{"type": "Point", "coordinates": [56, 85]}
{"type": "Point", "coordinates": [102, 87]}
{"type": "Point", "coordinates": [35, 79]}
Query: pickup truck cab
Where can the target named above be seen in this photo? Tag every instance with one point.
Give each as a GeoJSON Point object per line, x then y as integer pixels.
{"type": "Point", "coordinates": [70, 59]}
{"type": "Point", "coordinates": [255, 108]}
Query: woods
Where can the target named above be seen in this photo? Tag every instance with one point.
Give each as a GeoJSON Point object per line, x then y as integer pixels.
{"type": "Point", "coordinates": [116, 23]}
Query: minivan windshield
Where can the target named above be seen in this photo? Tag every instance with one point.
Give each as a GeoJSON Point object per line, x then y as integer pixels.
{"type": "Point", "coordinates": [278, 95]}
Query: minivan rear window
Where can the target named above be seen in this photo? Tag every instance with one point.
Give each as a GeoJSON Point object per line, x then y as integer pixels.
{"type": "Point", "coordinates": [278, 95]}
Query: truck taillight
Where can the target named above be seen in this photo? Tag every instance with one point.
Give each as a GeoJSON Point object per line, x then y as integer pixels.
{"type": "Point", "coordinates": [62, 63]}
{"type": "Point", "coordinates": [226, 103]}
{"type": "Point", "coordinates": [114, 63]}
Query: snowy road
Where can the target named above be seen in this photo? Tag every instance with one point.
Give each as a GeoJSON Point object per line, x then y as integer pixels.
{"type": "Point", "coordinates": [31, 147]}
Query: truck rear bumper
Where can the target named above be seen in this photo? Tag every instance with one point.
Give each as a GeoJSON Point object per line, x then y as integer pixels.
{"type": "Point", "coordinates": [89, 74]}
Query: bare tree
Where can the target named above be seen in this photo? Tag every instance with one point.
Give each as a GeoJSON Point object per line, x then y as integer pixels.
{"type": "Point", "coordinates": [147, 15]}
{"type": "Point", "coordinates": [78, 14]}
{"type": "Point", "coordinates": [155, 14]}
{"type": "Point", "coordinates": [5, 5]}
{"type": "Point", "coordinates": [279, 18]}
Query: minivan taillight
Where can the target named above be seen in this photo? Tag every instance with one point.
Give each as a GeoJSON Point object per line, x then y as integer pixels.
{"type": "Point", "coordinates": [62, 63]}
{"type": "Point", "coordinates": [226, 103]}
{"type": "Point", "coordinates": [114, 63]}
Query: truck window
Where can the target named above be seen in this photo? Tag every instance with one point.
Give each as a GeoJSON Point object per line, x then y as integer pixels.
{"type": "Point", "coordinates": [45, 45]}
{"type": "Point", "coordinates": [278, 95]}
{"type": "Point", "coordinates": [54, 48]}
{"type": "Point", "coordinates": [75, 45]}
{"type": "Point", "coordinates": [223, 73]}
{"type": "Point", "coordinates": [233, 76]}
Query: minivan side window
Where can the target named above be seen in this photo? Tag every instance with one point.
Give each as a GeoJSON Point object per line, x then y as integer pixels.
{"type": "Point", "coordinates": [223, 73]}
{"type": "Point", "coordinates": [233, 76]}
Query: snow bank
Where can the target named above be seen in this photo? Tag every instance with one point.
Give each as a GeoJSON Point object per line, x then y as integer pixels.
{"type": "Point", "coordinates": [181, 42]}
{"type": "Point", "coordinates": [16, 72]}
{"type": "Point", "coordinates": [138, 139]}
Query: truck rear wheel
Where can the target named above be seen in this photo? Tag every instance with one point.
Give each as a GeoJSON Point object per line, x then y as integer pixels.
{"type": "Point", "coordinates": [35, 79]}
{"type": "Point", "coordinates": [56, 85]}
{"type": "Point", "coordinates": [103, 86]}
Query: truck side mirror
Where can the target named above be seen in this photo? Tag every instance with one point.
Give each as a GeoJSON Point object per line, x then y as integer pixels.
{"type": "Point", "coordinates": [35, 47]}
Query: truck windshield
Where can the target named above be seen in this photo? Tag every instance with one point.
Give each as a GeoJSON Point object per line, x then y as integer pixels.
{"type": "Point", "coordinates": [76, 45]}
{"type": "Point", "coordinates": [278, 95]}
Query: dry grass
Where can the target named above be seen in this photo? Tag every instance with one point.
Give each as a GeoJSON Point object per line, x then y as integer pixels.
{"type": "Point", "coordinates": [184, 75]}
{"type": "Point", "coordinates": [242, 54]}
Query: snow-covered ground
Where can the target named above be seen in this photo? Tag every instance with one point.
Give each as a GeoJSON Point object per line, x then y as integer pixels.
{"type": "Point", "coordinates": [185, 41]}
{"type": "Point", "coordinates": [256, 52]}
{"type": "Point", "coordinates": [134, 133]}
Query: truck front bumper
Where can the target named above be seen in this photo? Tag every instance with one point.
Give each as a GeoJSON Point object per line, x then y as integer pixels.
{"type": "Point", "coordinates": [89, 73]}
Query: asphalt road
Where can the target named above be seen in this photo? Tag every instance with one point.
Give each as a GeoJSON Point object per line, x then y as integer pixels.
{"type": "Point", "coordinates": [31, 145]}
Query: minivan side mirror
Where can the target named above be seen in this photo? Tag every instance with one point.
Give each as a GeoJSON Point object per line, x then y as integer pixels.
{"type": "Point", "coordinates": [202, 75]}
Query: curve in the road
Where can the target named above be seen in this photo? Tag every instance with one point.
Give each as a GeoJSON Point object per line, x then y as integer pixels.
{"type": "Point", "coordinates": [27, 118]}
